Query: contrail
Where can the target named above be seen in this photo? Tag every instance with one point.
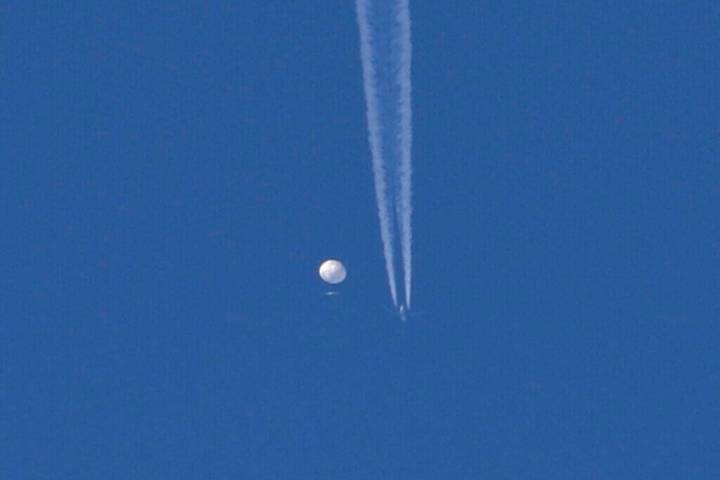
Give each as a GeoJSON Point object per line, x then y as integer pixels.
{"type": "Point", "coordinates": [386, 51]}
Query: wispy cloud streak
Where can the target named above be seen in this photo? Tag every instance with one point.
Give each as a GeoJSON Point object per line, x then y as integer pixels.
{"type": "Point", "coordinates": [385, 50]}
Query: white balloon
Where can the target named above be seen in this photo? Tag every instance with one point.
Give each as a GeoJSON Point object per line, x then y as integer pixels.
{"type": "Point", "coordinates": [332, 271]}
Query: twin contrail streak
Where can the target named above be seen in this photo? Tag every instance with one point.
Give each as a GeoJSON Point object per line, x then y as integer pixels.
{"type": "Point", "coordinates": [386, 51]}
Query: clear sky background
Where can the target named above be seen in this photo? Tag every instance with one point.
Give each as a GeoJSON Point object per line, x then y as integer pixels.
{"type": "Point", "coordinates": [172, 173]}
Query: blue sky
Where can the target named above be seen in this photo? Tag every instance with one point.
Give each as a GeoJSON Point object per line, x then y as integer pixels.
{"type": "Point", "coordinates": [173, 173]}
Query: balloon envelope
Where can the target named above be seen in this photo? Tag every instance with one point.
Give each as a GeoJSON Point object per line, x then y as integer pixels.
{"type": "Point", "coordinates": [332, 271]}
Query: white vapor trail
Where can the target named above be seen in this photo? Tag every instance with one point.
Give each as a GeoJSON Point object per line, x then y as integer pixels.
{"type": "Point", "coordinates": [386, 51]}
